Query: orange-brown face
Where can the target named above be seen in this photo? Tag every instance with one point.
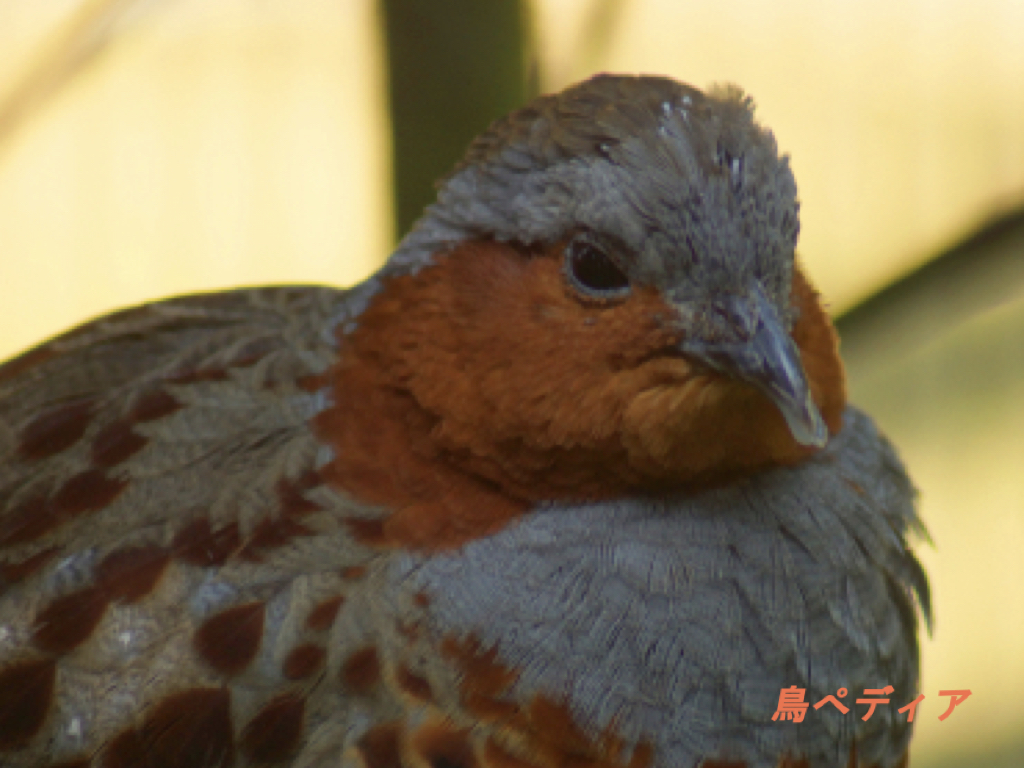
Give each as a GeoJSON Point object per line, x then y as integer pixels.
{"type": "Point", "coordinates": [492, 364]}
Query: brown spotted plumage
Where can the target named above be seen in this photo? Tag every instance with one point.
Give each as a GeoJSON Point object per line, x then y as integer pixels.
{"type": "Point", "coordinates": [571, 483]}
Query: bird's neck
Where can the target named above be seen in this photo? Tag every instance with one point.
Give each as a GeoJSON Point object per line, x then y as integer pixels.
{"type": "Point", "coordinates": [474, 389]}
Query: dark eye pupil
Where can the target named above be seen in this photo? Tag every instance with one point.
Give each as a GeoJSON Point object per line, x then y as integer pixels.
{"type": "Point", "coordinates": [594, 271]}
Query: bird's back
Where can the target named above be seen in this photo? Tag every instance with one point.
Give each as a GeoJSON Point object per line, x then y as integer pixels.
{"type": "Point", "coordinates": [170, 564]}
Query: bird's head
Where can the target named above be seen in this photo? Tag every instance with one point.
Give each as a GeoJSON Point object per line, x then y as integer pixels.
{"type": "Point", "coordinates": [603, 300]}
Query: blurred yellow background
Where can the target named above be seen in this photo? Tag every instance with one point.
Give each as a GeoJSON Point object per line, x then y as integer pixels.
{"type": "Point", "coordinates": [185, 145]}
{"type": "Point", "coordinates": [210, 144]}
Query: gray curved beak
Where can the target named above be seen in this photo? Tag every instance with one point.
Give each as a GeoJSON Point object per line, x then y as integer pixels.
{"type": "Point", "coordinates": [754, 346]}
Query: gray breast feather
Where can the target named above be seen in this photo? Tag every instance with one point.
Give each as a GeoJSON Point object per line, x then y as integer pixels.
{"type": "Point", "coordinates": [682, 618]}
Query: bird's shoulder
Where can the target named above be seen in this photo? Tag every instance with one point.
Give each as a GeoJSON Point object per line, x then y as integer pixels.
{"type": "Point", "coordinates": [164, 533]}
{"type": "Point", "coordinates": [95, 422]}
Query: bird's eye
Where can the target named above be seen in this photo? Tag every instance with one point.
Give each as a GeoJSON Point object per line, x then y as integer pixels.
{"type": "Point", "coordinates": [592, 273]}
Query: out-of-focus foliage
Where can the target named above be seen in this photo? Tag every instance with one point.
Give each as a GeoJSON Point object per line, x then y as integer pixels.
{"type": "Point", "coordinates": [453, 67]}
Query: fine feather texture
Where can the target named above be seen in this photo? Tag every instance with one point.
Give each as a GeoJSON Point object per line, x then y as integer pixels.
{"type": "Point", "coordinates": [215, 517]}
{"type": "Point", "coordinates": [739, 592]}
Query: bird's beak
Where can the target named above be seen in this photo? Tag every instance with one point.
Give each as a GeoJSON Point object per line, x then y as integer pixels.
{"type": "Point", "coordinates": [753, 345]}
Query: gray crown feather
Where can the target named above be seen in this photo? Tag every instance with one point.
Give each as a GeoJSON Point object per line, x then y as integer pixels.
{"type": "Point", "coordinates": [688, 182]}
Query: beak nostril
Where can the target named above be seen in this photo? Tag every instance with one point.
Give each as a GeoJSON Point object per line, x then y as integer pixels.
{"type": "Point", "coordinates": [733, 319]}
{"type": "Point", "coordinates": [744, 337]}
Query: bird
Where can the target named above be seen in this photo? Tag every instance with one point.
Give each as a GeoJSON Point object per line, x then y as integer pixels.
{"type": "Point", "coordinates": [570, 482]}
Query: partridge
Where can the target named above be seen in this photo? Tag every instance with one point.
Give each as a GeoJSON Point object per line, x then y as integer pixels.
{"type": "Point", "coordinates": [571, 482]}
